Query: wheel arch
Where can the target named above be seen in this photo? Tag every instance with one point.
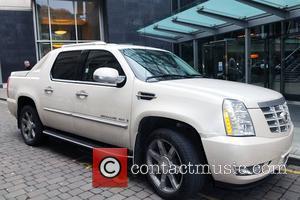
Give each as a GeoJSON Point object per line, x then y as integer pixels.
{"type": "Point", "coordinates": [150, 123]}
{"type": "Point", "coordinates": [23, 101]}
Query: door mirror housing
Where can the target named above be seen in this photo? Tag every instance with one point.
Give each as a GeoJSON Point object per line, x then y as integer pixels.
{"type": "Point", "coordinates": [108, 75]}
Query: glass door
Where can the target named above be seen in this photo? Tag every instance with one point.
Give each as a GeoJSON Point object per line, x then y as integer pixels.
{"type": "Point", "coordinates": [215, 59]}
{"type": "Point", "coordinates": [291, 70]}
{"type": "Point", "coordinates": [258, 62]}
{"type": "Point", "coordinates": [274, 63]}
{"type": "Point", "coordinates": [224, 59]}
{"type": "Point", "coordinates": [236, 60]}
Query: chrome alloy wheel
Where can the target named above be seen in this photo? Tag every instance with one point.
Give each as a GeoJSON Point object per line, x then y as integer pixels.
{"type": "Point", "coordinates": [28, 126]}
{"type": "Point", "coordinates": [164, 158]}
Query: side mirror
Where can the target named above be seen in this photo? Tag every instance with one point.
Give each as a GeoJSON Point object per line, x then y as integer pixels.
{"type": "Point", "coordinates": [108, 75]}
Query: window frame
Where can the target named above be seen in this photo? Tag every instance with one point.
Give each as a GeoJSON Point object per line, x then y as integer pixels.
{"type": "Point", "coordinates": [82, 61]}
{"type": "Point", "coordinates": [134, 71]}
{"type": "Point", "coordinates": [77, 66]}
{"type": "Point", "coordinates": [86, 59]}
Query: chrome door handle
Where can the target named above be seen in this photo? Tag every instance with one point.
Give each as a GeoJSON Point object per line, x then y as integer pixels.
{"type": "Point", "coordinates": [82, 94]}
{"type": "Point", "coordinates": [48, 90]}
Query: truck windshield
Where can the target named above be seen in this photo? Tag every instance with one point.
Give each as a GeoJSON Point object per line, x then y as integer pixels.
{"type": "Point", "coordinates": [154, 65]}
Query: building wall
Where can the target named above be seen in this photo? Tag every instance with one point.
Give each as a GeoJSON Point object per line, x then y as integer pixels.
{"type": "Point", "coordinates": [124, 17]}
{"type": "Point", "coordinates": [17, 41]}
{"type": "Point", "coordinates": [15, 4]}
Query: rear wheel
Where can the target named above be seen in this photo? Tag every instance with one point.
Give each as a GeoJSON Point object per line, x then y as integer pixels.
{"type": "Point", "coordinates": [31, 126]}
{"type": "Point", "coordinates": [166, 151]}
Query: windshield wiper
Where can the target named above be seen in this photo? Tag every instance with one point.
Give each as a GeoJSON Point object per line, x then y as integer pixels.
{"type": "Point", "coordinates": [166, 76]}
{"type": "Point", "coordinates": [194, 76]}
{"type": "Point", "coordinates": [173, 76]}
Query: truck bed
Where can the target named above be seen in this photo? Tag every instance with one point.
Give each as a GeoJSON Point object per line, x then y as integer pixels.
{"type": "Point", "coordinates": [19, 74]}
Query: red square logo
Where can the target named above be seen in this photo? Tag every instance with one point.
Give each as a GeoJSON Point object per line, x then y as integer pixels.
{"type": "Point", "coordinates": [110, 167]}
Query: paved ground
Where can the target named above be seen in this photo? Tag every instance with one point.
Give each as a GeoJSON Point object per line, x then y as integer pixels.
{"type": "Point", "coordinates": [60, 170]}
{"type": "Point", "coordinates": [2, 93]}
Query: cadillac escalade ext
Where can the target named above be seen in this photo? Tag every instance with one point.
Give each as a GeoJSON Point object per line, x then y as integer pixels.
{"type": "Point", "coordinates": [153, 103]}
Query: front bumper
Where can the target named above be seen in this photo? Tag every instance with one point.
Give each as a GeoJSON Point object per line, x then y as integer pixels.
{"type": "Point", "coordinates": [245, 151]}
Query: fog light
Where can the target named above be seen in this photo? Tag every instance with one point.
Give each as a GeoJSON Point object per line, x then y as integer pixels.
{"type": "Point", "coordinates": [241, 171]}
{"type": "Point", "coordinates": [250, 170]}
{"type": "Point", "coordinates": [257, 169]}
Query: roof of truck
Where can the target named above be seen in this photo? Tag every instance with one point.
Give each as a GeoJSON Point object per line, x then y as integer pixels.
{"type": "Point", "coordinates": [94, 45]}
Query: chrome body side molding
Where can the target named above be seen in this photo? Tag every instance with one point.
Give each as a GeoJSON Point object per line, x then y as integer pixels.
{"type": "Point", "coordinates": [102, 120]}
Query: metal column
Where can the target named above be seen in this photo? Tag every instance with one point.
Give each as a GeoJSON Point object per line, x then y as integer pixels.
{"type": "Point", "coordinates": [1, 83]}
{"type": "Point", "coordinates": [247, 55]}
{"type": "Point", "coordinates": [195, 54]}
{"type": "Point", "coordinates": [282, 56]}
{"type": "Point", "coordinates": [180, 50]}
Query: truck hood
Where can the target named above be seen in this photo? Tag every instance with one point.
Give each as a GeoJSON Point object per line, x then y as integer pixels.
{"type": "Point", "coordinates": [249, 94]}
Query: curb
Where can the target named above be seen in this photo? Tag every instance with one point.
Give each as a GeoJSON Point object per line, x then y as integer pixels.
{"type": "Point", "coordinates": [297, 103]}
{"type": "Point", "coordinates": [294, 159]}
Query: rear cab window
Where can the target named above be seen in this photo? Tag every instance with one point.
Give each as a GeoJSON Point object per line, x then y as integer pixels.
{"type": "Point", "coordinates": [67, 66]}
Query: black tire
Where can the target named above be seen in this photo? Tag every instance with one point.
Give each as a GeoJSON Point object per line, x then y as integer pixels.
{"type": "Point", "coordinates": [190, 184]}
{"type": "Point", "coordinates": [29, 121]}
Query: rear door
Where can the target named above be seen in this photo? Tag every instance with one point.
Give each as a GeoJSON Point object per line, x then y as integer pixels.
{"type": "Point", "coordinates": [58, 91]}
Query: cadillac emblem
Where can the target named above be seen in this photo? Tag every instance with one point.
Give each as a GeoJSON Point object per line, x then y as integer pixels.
{"type": "Point", "coordinates": [284, 116]}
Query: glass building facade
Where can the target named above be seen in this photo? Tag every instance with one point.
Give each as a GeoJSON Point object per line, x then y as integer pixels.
{"type": "Point", "coordinates": [274, 47]}
{"type": "Point", "coordinates": [274, 56]}
{"type": "Point", "coordinates": [273, 61]}
{"type": "Point", "coordinates": [60, 22]}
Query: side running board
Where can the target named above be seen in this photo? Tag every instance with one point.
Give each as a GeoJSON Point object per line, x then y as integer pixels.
{"type": "Point", "coordinates": [75, 139]}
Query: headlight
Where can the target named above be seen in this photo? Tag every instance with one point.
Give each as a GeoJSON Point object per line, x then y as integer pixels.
{"type": "Point", "coordinates": [237, 119]}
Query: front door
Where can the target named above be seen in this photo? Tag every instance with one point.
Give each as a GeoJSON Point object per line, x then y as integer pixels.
{"type": "Point", "coordinates": [102, 111]}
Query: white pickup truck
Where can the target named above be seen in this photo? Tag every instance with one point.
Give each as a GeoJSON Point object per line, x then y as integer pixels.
{"type": "Point", "coordinates": [153, 103]}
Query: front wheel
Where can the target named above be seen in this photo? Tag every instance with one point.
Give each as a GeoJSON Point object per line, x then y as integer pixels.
{"type": "Point", "coordinates": [31, 126]}
{"type": "Point", "coordinates": [167, 151]}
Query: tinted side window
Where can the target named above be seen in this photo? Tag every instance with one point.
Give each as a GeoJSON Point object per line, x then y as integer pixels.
{"type": "Point", "coordinates": [98, 59]}
{"type": "Point", "coordinates": [66, 66]}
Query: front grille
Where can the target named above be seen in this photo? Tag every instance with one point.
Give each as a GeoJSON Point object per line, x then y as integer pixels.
{"type": "Point", "coordinates": [278, 118]}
